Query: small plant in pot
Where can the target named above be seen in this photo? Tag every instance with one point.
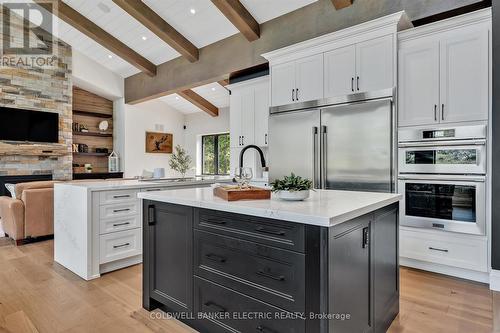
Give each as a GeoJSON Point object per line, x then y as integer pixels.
{"type": "Point", "coordinates": [293, 188]}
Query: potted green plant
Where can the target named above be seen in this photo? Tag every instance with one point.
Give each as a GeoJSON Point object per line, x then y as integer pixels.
{"type": "Point", "coordinates": [293, 188]}
{"type": "Point", "coordinates": [180, 161]}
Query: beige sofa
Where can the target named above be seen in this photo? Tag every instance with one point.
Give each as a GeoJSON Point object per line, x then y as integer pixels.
{"type": "Point", "coordinates": [31, 214]}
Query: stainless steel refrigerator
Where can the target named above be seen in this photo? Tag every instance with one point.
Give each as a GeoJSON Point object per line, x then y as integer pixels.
{"type": "Point", "coordinates": [342, 143]}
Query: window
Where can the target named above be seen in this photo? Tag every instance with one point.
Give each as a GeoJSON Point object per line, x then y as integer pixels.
{"type": "Point", "coordinates": [215, 154]}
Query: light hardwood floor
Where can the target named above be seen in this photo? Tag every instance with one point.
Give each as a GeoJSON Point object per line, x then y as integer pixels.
{"type": "Point", "coordinates": [38, 295]}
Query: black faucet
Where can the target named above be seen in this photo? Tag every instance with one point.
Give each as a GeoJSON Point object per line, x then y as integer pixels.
{"type": "Point", "coordinates": [262, 159]}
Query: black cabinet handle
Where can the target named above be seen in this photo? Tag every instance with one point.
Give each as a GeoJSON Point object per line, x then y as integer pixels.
{"type": "Point", "coordinates": [436, 249]}
{"type": "Point", "coordinates": [121, 245]}
{"type": "Point", "coordinates": [352, 84]}
{"type": "Point", "coordinates": [435, 112]}
{"type": "Point", "coordinates": [215, 306]}
{"type": "Point", "coordinates": [121, 196]}
{"type": "Point", "coordinates": [270, 231]}
{"type": "Point", "coordinates": [215, 221]}
{"type": "Point", "coordinates": [121, 210]}
{"type": "Point", "coordinates": [151, 215]}
{"type": "Point", "coordinates": [358, 82]}
{"type": "Point", "coordinates": [265, 138]}
{"type": "Point", "coordinates": [215, 257]}
{"type": "Point", "coordinates": [270, 276]}
{"type": "Point", "coordinates": [366, 237]}
{"type": "Point", "coordinates": [442, 111]}
{"type": "Point", "coordinates": [119, 224]}
{"type": "Point", "coordinates": [264, 329]}
{"type": "Point", "coordinates": [293, 97]}
{"type": "Point", "coordinates": [297, 94]}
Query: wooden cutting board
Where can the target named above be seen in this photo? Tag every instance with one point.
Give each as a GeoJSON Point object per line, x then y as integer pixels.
{"type": "Point", "coordinates": [232, 193]}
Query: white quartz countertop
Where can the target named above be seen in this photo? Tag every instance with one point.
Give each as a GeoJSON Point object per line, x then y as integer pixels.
{"type": "Point", "coordinates": [118, 184]}
{"type": "Point", "coordinates": [323, 208]}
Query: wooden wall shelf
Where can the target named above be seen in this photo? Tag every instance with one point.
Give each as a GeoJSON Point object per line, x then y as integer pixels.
{"type": "Point", "coordinates": [92, 114]}
{"type": "Point", "coordinates": [103, 135]}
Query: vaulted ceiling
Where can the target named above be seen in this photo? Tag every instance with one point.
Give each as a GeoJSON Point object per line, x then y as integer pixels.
{"type": "Point", "coordinates": [132, 36]}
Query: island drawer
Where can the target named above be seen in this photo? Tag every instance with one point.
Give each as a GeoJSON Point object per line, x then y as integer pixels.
{"type": "Point", "coordinates": [267, 273]}
{"type": "Point", "coordinates": [110, 197]}
{"type": "Point", "coordinates": [236, 312]}
{"type": "Point", "coordinates": [120, 210]}
{"type": "Point", "coordinates": [120, 245]}
{"type": "Point", "coordinates": [114, 224]}
{"type": "Point", "coordinates": [282, 234]}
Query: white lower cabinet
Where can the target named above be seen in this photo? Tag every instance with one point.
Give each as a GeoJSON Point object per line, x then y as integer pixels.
{"type": "Point", "coordinates": [120, 245]}
{"type": "Point", "coordinates": [468, 252]}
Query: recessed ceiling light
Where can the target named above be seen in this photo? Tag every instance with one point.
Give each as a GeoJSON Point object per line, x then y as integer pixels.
{"type": "Point", "coordinates": [177, 97]}
{"type": "Point", "coordinates": [192, 11]}
{"type": "Point", "coordinates": [110, 56]}
{"type": "Point", "coordinates": [144, 37]}
{"type": "Point", "coordinates": [213, 88]}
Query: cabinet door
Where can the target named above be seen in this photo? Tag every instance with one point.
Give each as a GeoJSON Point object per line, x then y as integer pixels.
{"type": "Point", "coordinates": [309, 78]}
{"type": "Point", "coordinates": [375, 64]}
{"type": "Point", "coordinates": [261, 114]}
{"type": "Point", "coordinates": [283, 83]}
{"type": "Point", "coordinates": [170, 255]}
{"type": "Point", "coordinates": [350, 278]}
{"type": "Point", "coordinates": [464, 76]}
{"type": "Point", "coordinates": [235, 118]}
{"type": "Point", "coordinates": [340, 68]}
{"type": "Point", "coordinates": [419, 84]}
{"type": "Point", "coordinates": [247, 116]}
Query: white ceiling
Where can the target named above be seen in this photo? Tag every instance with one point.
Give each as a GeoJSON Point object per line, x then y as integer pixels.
{"type": "Point", "coordinates": [208, 25]}
{"type": "Point", "coordinates": [213, 92]}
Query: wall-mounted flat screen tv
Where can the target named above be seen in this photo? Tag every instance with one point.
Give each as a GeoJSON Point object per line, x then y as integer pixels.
{"type": "Point", "coordinates": [28, 125]}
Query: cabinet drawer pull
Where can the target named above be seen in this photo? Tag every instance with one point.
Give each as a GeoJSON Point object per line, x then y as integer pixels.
{"type": "Point", "coordinates": [270, 276]}
{"type": "Point", "coordinates": [297, 94]}
{"type": "Point", "coordinates": [121, 245]}
{"type": "Point", "coordinates": [121, 210]}
{"type": "Point", "coordinates": [358, 82]}
{"type": "Point", "coordinates": [352, 84]}
{"type": "Point", "coordinates": [215, 221]}
{"type": "Point", "coordinates": [264, 329]}
{"type": "Point", "coordinates": [121, 196]}
{"type": "Point", "coordinates": [270, 231]}
{"type": "Point", "coordinates": [366, 237]}
{"type": "Point", "coordinates": [435, 112]}
{"type": "Point", "coordinates": [215, 257]}
{"type": "Point", "coordinates": [436, 249]}
{"type": "Point", "coordinates": [293, 96]}
{"type": "Point", "coordinates": [119, 224]}
{"type": "Point", "coordinates": [215, 306]}
{"type": "Point", "coordinates": [442, 111]}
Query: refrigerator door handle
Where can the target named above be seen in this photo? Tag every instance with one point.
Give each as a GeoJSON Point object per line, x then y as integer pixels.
{"type": "Point", "coordinates": [314, 157]}
{"type": "Point", "coordinates": [323, 156]}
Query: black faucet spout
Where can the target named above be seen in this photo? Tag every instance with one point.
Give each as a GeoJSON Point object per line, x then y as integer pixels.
{"type": "Point", "coordinates": [262, 159]}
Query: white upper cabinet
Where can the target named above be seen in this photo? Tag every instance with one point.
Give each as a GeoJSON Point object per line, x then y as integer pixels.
{"type": "Point", "coordinates": [464, 76]}
{"type": "Point", "coordinates": [361, 58]}
{"type": "Point", "coordinates": [249, 112]}
{"type": "Point", "coordinates": [283, 83]}
{"type": "Point", "coordinates": [444, 71]}
{"type": "Point", "coordinates": [297, 81]}
{"type": "Point", "coordinates": [340, 69]}
{"type": "Point", "coordinates": [375, 64]}
{"type": "Point", "coordinates": [419, 83]}
{"type": "Point", "coordinates": [309, 78]}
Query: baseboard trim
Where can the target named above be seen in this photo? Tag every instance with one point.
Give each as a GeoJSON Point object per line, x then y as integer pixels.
{"type": "Point", "coordinates": [118, 264]}
{"type": "Point", "coordinates": [467, 274]}
{"type": "Point", "coordinates": [495, 280]}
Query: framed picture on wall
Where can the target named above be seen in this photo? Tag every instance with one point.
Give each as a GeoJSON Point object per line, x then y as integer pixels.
{"type": "Point", "coordinates": [159, 143]}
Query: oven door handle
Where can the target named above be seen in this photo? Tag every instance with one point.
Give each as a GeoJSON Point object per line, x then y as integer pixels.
{"type": "Point", "coordinates": [440, 144]}
{"type": "Point", "coordinates": [474, 179]}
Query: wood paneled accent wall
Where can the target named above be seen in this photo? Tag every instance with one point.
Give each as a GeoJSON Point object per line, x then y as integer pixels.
{"type": "Point", "coordinates": [90, 109]}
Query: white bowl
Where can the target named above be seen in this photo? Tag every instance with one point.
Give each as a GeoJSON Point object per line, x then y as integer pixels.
{"type": "Point", "coordinates": [293, 195]}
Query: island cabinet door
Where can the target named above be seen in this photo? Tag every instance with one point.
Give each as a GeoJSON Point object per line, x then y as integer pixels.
{"type": "Point", "coordinates": [349, 272]}
{"type": "Point", "coordinates": [385, 268]}
{"type": "Point", "coordinates": [168, 264]}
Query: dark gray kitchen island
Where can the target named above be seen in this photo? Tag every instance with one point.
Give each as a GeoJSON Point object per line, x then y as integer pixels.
{"type": "Point", "coordinates": [327, 264]}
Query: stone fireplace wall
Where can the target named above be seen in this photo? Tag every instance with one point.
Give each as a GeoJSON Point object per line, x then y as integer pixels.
{"type": "Point", "coordinates": [40, 89]}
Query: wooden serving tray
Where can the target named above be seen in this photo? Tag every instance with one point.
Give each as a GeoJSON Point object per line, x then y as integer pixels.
{"type": "Point", "coordinates": [233, 193]}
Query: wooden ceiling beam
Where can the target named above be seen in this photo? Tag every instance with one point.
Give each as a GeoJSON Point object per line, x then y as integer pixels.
{"type": "Point", "coordinates": [339, 4]}
{"type": "Point", "coordinates": [224, 82]}
{"type": "Point", "coordinates": [239, 17]}
{"type": "Point", "coordinates": [154, 22]}
{"type": "Point", "coordinates": [200, 102]}
{"type": "Point", "coordinates": [92, 30]}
